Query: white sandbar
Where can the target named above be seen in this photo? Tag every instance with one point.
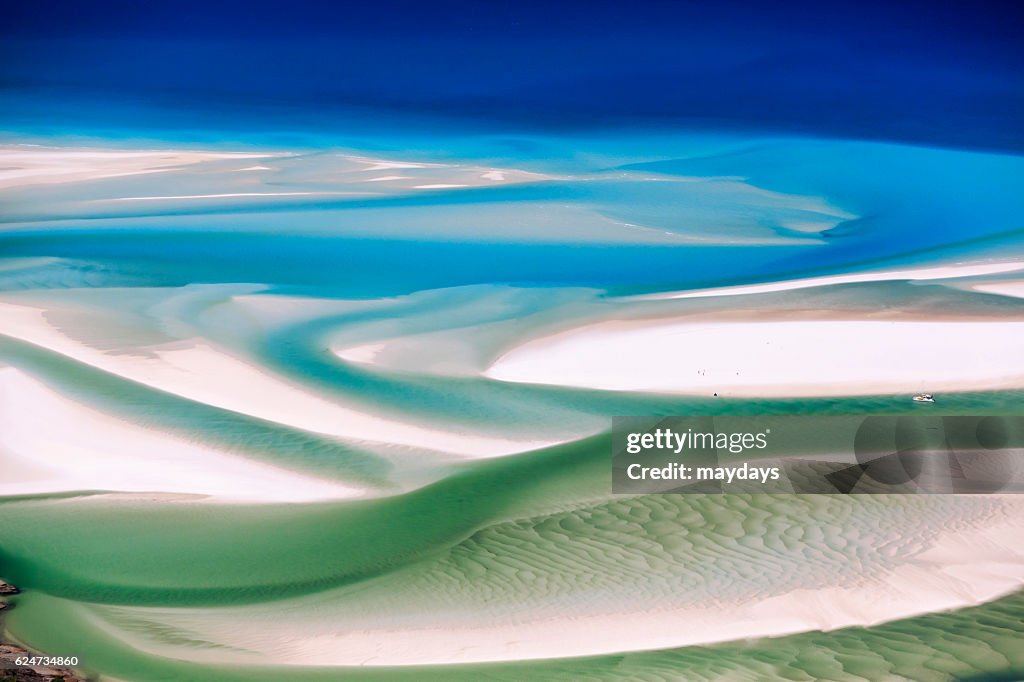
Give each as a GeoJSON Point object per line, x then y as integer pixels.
{"type": "Point", "coordinates": [774, 358]}
{"type": "Point", "coordinates": [912, 274]}
{"type": "Point", "coordinates": [50, 444]}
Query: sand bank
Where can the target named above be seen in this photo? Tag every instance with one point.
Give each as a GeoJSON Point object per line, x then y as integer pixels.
{"type": "Point", "coordinates": [199, 370]}
{"type": "Point", "coordinates": [35, 165]}
{"type": "Point", "coordinates": [774, 358]}
{"type": "Point", "coordinates": [236, 195]}
{"type": "Point", "coordinates": [25, 164]}
{"type": "Point", "coordinates": [50, 443]}
{"type": "Point", "coordinates": [913, 274]}
{"type": "Point", "coordinates": [1010, 288]}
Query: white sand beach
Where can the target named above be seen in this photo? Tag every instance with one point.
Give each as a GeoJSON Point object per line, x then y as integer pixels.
{"type": "Point", "coordinates": [801, 357]}
{"type": "Point", "coordinates": [51, 444]}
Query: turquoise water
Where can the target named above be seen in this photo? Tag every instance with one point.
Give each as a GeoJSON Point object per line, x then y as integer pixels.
{"type": "Point", "coordinates": [882, 204]}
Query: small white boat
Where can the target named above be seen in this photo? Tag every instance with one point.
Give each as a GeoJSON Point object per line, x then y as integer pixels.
{"type": "Point", "coordinates": [924, 398]}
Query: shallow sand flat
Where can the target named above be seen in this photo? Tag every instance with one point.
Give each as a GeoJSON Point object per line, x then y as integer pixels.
{"type": "Point", "coordinates": [26, 164]}
{"type": "Point", "coordinates": [456, 331]}
{"type": "Point", "coordinates": [50, 444]}
{"type": "Point", "coordinates": [43, 183]}
{"type": "Point", "coordinates": [940, 272]}
{"type": "Point", "coordinates": [671, 571]}
{"type": "Point", "coordinates": [1011, 288]}
{"type": "Point", "coordinates": [236, 195]}
{"type": "Point", "coordinates": [623, 207]}
{"type": "Point", "coordinates": [198, 370]}
{"type": "Point", "coordinates": [35, 165]}
{"type": "Point", "coordinates": [976, 643]}
{"type": "Point", "coordinates": [470, 347]}
{"type": "Point", "coordinates": [522, 557]}
{"type": "Point", "coordinates": [774, 358]}
{"type": "Point", "coordinates": [424, 175]}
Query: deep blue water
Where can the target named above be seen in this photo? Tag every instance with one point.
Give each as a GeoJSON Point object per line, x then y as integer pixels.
{"type": "Point", "coordinates": [932, 73]}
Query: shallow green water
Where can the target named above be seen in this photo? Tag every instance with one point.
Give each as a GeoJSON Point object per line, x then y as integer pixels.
{"type": "Point", "coordinates": [980, 643]}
